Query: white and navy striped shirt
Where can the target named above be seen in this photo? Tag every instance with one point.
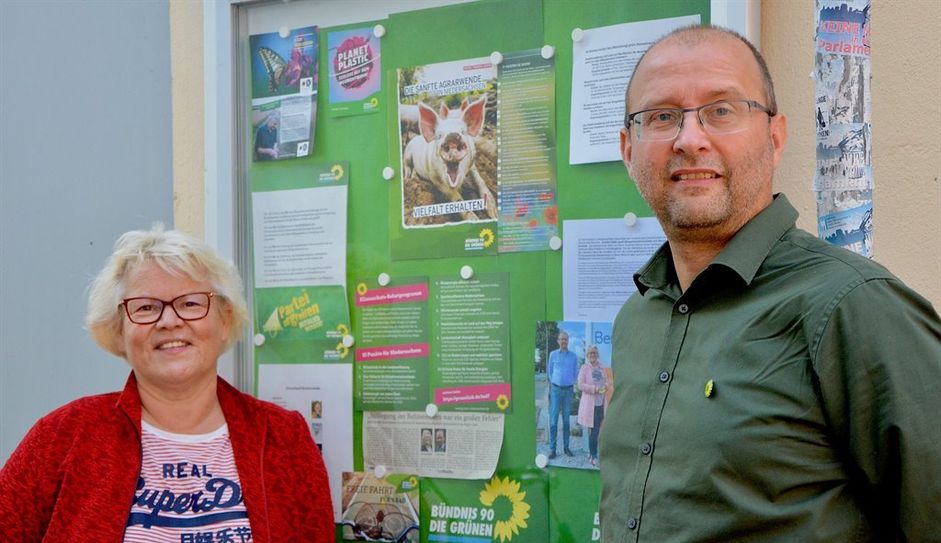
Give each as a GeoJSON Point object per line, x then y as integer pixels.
{"type": "Point", "coordinates": [188, 490]}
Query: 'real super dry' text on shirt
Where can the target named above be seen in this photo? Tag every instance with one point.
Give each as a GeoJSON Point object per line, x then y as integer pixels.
{"type": "Point", "coordinates": [188, 490]}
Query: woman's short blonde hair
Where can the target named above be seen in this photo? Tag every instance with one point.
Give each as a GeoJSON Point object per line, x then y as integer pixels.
{"type": "Point", "coordinates": [177, 253]}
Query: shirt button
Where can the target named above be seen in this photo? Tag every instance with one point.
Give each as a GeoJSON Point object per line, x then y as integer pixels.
{"type": "Point", "coordinates": [632, 523]}
{"type": "Point", "coordinates": [664, 376]}
{"type": "Point", "coordinates": [646, 448]}
{"type": "Point", "coordinates": [683, 308]}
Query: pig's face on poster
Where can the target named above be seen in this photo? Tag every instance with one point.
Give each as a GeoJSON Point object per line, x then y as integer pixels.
{"type": "Point", "coordinates": [448, 161]}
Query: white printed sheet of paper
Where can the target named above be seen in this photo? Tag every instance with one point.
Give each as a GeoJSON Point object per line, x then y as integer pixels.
{"type": "Point", "coordinates": [599, 259]}
{"type": "Point", "coordinates": [300, 237]}
{"type": "Point", "coordinates": [323, 394]}
{"type": "Point", "coordinates": [602, 64]}
{"type": "Point", "coordinates": [461, 445]}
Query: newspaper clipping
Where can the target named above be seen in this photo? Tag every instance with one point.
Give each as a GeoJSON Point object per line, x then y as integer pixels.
{"type": "Point", "coordinates": [448, 445]}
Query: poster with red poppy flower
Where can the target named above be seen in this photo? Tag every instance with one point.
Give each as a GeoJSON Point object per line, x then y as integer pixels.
{"type": "Point", "coordinates": [355, 74]}
{"type": "Point", "coordinates": [529, 215]}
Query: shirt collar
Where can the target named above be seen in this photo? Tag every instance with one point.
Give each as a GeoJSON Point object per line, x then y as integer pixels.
{"type": "Point", "coordinates": [230, 400]}
{"type": "Point", "coordinates": [743, 254]}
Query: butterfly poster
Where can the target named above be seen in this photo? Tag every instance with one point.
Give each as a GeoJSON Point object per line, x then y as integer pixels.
{"type": "Point", "coordinates": [284, 93]}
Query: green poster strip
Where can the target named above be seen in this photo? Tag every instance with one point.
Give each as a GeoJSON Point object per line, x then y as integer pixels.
{"type": "Point", "coordinates": [567, 523]}
{"type": "Point", "coordinates": [526, 174]}
{"type": "Point", "coordinates": [471, 348]}
{"type": "Point", "coordinates": [391, 370]}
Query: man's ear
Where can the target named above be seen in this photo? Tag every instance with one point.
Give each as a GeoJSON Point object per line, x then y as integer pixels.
{"type": "Point", "coordinates": [625, 136]}
{"type": "Point", "coordinates": [778, 131]}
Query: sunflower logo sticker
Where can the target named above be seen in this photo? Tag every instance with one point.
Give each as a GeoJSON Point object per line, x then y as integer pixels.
{"type": "Point", "coordinates": [503, 402]}
{"type": "Point", "coordinates": [337, 171]}
{"type": "Point", "coordinates": [487, 236]}
{"type": "Point", "coordinates": [504, 496]}
{"type": "Point", "coordinates": [362, 289]}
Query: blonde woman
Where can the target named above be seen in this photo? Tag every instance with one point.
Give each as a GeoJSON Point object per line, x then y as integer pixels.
{"type": "Point", "coordinates": [179, 454]}
{"type": "Point", "coordinates": [593, 383]}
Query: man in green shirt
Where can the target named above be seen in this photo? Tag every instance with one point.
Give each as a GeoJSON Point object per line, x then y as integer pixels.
{"type": "Point", "coordinates": [770, 386]}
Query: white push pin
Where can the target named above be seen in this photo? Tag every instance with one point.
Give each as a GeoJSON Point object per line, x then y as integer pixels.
{"type": "Point", "coordinates": [388, 173]}
{"type": "Point", "coordinates": [380, 471]}
{"type": "Point", "coordinates": [431, 410]}
{"type": "Point", "coordinates": [496, 57]}
{"type": "Point", "coordinates": [259, 340]}
{"type": "Point", "coordinates": [547, 52]}
{"type": "Point", "coordinates": [384, 279]}
{"type": "Point", "coordinates": [466, 272]}
{"type": "Point", "coordinates": [555, 243]}
{"type": "Point", "coordinates": [541, 460]}
{"type": "Point", "coordinates": [811, 74]}
{"type": "Point", "coordinates": [630, 218]}
{"type": "Point", "coordinates": [378, 31]}
{"type": "Point", "coordinates": [577, 34]}
{"type": "Point", "coordinates": [348, 340]}
{"type": "Point", "coordinates": [284, 31]}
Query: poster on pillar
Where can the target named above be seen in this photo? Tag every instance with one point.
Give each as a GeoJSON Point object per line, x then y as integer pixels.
{"type": "Point", "coordinates": [843, 179]}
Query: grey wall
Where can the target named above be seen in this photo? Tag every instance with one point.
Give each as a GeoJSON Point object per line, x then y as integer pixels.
{"type": "Point", "coordinates": [85, 154]}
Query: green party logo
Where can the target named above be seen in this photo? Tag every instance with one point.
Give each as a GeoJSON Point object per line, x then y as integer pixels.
{"type": "Point", "coordinates": [504, 495]}
{"type": "Point", "coordinates": [503, 514]}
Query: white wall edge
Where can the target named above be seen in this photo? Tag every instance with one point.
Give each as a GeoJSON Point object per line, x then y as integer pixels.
{"type": "Point", "coordinates": [742, 16]}
{"type": "Point", "coordinates": [218, 215]}
{"type": "Point", "coordinates": [218, 219]}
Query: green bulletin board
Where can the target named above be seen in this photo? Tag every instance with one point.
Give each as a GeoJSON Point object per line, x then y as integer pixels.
{"type": "Point", "coordinates": [522, 502]}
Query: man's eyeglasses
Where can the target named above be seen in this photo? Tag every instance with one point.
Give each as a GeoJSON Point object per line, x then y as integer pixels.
{"type": "Point", "coordinates": [722, 117]}
{"type": "Point", "coordinates": [189, 307]}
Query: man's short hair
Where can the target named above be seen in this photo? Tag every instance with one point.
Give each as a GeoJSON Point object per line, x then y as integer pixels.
{"type": "Point", "coordinates": [696, 34]}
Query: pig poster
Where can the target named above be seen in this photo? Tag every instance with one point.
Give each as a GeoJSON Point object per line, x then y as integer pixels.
{"type": "Point", "coordinates": [448, 145]}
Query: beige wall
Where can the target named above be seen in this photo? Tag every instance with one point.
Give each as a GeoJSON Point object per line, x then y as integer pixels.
{"type": "Point", "coordinates": [906, 128]}
{"type": "Point", "coordinates": [186, 87]}
{"type": "Point", "coordinates": [906, 121]}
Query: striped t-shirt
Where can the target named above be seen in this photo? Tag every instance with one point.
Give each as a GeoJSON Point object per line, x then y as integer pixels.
{"type": "Point", "coordinates": [188, 490]}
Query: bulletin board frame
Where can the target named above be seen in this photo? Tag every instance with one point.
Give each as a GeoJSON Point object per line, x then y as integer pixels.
{"type": "Point", "coordinates": [589, 191]}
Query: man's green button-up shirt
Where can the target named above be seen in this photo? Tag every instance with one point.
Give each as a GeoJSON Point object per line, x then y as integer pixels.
{"type": "Point", "coordinates": [792, 393]}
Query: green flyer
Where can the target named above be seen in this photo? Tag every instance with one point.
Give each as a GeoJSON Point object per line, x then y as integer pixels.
{"type": "Point", "coordinates": [314, 316]}
{"type": "Point", "coordinates": [391, 370]}
{"type": "Point", "coordinates": [470, 368]}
